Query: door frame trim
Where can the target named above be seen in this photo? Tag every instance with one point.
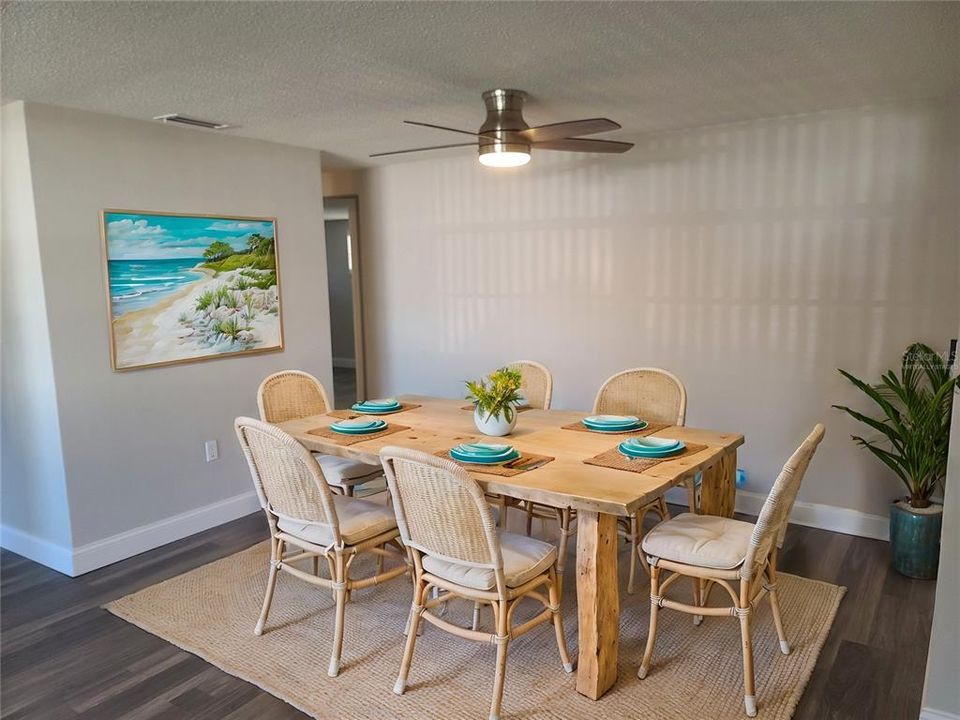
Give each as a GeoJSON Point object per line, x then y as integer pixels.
{"type": "Point", "coordinates": [356, 282]}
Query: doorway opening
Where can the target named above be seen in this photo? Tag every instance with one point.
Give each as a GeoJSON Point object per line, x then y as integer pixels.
{"type": "Point", "coordinates": [341, 219]}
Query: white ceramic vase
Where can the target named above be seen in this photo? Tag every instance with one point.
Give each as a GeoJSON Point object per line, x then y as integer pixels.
{"type": "Point", "coordinates": [494, 426]}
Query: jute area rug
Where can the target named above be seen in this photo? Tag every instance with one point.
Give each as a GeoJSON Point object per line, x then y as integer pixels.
{"type": "Point", "coordinates": [696, 671]}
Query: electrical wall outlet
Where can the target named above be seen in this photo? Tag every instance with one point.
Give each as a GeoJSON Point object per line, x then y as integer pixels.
{"type": "Point", "coordinates": [213, 452]}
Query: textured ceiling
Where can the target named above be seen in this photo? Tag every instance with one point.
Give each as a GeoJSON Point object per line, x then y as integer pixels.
{"type": "Point", "coordinates": [340, 77]}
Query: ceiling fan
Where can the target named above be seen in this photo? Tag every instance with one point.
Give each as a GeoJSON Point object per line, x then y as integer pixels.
{"type": "Point", "coordinates": [505, 139]}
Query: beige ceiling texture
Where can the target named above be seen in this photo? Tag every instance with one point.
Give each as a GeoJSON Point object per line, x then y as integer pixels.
{"type": "Point", "coordinates": [341, 77]}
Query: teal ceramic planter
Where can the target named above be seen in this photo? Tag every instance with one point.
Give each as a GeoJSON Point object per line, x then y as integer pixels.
{"type": "Point", "coordinates": [915, 540]}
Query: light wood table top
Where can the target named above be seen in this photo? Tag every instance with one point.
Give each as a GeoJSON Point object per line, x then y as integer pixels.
{"type": "Point", "coordinates": [440, 424]}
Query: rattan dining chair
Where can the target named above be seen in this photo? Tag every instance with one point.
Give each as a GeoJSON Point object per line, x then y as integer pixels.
{"type": "Point", "coordinates": [655, 395]}
{"type": "Point", "coordinates": [449, 531]}
{"type": "Point", "coordinates": [536, 383]}
{"type": "Point", "coordinates": [294, 394]}
{"type": "Point", "coordinates": [721, 551]}
{"type": "Point", "coordinates": [303, 513]}
{"type": "Point", "coordinates": [536, 386]}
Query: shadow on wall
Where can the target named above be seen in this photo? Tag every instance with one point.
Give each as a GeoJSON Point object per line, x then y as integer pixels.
{"type": "Point", "coordinates": [752, 259]}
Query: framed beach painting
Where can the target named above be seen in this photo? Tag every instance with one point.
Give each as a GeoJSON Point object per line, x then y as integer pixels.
{"type": "Point", "coordinates": [182, 288]}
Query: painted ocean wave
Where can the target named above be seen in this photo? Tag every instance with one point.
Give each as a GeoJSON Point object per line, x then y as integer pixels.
{"type": "Point", "coordinates": [138, 284]}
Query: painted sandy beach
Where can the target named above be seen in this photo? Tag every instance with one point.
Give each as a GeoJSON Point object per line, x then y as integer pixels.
{"type": "Point", "coordinates": [224, 299]}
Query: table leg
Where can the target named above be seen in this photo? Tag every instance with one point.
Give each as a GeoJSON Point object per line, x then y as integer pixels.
{"type": "Point", "coordinates": [719, 489]}
{"type": "Point", "coordinates": [598, 603]}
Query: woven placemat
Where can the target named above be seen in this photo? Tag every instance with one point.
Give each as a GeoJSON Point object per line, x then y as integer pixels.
{"type": "Point", "coordinates": [520, 409]}
{"type": "Point", "coordinates": [351, 414]}
{"type": "Point", "coordinates": [648, 430]}
{"type": "Point", "coordinates": [613, 458]}
{"type": "Point", "coordinates": [524, 459]}
{"type": "Point", "coordinates": [341, 439]}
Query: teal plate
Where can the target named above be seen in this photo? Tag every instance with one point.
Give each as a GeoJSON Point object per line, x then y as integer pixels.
{"type": "Point", "coordinates": [633, 453]}
{"type": "Point", "coordinates": [358, 430]}
{"type": "Point", "coordinates": [477, 460]}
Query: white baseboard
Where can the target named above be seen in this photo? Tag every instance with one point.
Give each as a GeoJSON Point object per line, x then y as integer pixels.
{"type": "Point", "coordinates": [133, 542]}
{"type": "Point", "coordinates": [927, 713]}
{"type": "Point", "coordinates": [58, 557]}
{"type": "Point", "coordinates": [826, 517]}
{"type": "Point", "coordinates": [344, 362]}
{"type": "Point", "coordinates": [83, 559]}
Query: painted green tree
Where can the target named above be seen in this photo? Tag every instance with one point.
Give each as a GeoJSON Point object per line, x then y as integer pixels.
{"type": "Point", "coordinates": [218, 250]}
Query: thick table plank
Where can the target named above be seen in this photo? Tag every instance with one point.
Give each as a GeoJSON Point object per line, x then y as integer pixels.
{"type": "Point", "coordinates": [600, 495]}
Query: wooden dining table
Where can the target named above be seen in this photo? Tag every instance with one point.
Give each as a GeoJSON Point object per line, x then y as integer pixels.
{"type": "Point", "coordinates": [600, 495]}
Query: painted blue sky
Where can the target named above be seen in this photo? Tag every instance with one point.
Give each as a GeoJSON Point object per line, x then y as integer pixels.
{"type": "Point", "coordinates": [132, 236]}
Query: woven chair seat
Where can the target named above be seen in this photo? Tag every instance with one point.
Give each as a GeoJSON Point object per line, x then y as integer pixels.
{"type": "Point", "coordinates": [523, 559]}
{"type": "Point", "coordinates": [344, 472]}
{"type": "Point", "coordinates": [359, 520]}
{"type": "Point", "coordinates": [701, 540]}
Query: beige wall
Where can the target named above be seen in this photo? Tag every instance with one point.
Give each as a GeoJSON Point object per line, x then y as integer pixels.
{"type": "Point", "coordinates": [34, 488]}
{"type": "Point", "coordinates": [751, 259]}
{"type": "Point", "coordinates": [133, 442]}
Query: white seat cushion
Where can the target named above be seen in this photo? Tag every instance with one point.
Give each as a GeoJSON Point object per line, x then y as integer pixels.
{"type": "Point", "coordinates": [523, 559]}
{"type": "Point", "coordinates": [702, 540]}
{"type": "Point", "coordinates": [359, 520]}
{"type": "Point", "coordinates": [345, 472]}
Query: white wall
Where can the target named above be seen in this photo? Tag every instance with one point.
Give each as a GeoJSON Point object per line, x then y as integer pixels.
{"type": "Point", "coordinates": [751, 259]}
{"type": "Point", "coordinates": [133, 442]}
{"type": "Point", "coordinates": [941, 697]}
{"type": "Point", "coordinates": [34, 502]}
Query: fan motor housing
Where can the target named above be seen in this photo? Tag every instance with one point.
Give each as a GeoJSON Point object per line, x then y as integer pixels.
{"type": "Point", "coordinates": [504, 119]}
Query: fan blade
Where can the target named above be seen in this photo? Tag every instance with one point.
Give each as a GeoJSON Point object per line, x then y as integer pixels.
{"type": "Point", "coordinates": [441, 127]}
{"type": "Point", "coordinates": [584, 145]}
{"type": "Point", "coordinates": [434, 147]}
{"type": "Point", "coordinates": [574, 128]}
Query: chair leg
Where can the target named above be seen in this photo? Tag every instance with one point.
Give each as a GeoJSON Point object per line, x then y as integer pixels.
{"type": "Point", "coordinates": [502, 639]}
{"type": "Point", "coordinates": [340, 579]}
{"type": "Point", "coordinates": [652, 634]}
{"type": "Point", "coordinates": [563, 516]}
{"type": "Point", "coordinates": [348, 491]}
{"type": "Point", "coordinates": [276, 553]}
{"type": "Point", "coordinates": [749, 691]}
{"type": "Point", "coordinates": [413, 628]}
{"type": "Point", "coordinates": [634, 544]}
{"type": "Point", "coordinates": [662, 509]}
{"type": "Point", "coordinates": [554, 597]}
{"type": "Point", "coordinates": [316, 565]}
{"type": "Point", "coordinates": [775, 609]}
{"type": "Point", "coordinates": [691, 485]}
{"type": "Point", "coordinates": [699, 599]}
{"type": "Point", "coordinates": [476, 615]}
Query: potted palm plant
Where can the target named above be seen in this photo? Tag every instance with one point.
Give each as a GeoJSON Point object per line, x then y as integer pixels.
{"type": "Point", "coordinates": [495, 401]}
{"type": "Point", "coordinates": [914, 436]}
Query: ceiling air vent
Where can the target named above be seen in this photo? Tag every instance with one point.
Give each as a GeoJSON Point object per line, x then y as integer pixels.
{"type": "Point", "coordinates": [179, 119]}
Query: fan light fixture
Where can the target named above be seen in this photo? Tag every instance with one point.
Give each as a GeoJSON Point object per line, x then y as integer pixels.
{"type": "Point", "coordinates": [503, 155]}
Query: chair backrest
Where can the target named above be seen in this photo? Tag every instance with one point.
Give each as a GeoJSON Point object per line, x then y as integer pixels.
{"type": "Point", "coordinates": [440, 509]}
{"type": "Point", "coordinates": [288, 480]}
{"type": "Point", "coordinates": [536, 383]}
{"type": "Point", "coordinates": [652, 393]}
{"type": "Point", "coordinates": [775, 514]}
{"type": "Point", "coordinates": [290, 395]}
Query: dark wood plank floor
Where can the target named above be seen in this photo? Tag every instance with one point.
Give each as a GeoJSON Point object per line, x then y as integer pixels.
{"type": "Point", "coordinates": [63, 657]}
